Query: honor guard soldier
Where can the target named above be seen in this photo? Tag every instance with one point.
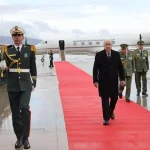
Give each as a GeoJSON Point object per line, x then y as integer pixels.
{"type": "Point", "coordinates": [141, 68]}
{"type": "Point", "coordinates": [127, 60]}
{"type": "Point", "coordinates": [22, 74]}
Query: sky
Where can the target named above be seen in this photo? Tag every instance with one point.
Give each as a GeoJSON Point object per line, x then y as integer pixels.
{"type": "Point", "coordinates": [53, 19]}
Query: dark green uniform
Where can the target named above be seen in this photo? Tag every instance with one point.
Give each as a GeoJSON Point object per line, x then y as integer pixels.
{"type": "Point", "coordinates": [141, 67]}
{"type": "Point", "coordinates": [22, 75]}
{"type": "Point", "coordinates": [129, 69]}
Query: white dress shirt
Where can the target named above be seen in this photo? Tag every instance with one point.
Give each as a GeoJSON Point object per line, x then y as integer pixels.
{"type": "Point", "coordinates": [108, 53]}
{"type": "Point", "coordinates": [19, 47]}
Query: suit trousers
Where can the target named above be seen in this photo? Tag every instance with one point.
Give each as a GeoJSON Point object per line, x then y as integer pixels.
{"type": "Point", "coordinates": [51, 63]}
{"type": "Point", "coordinates": [19, 103]}
{"type": "Point", "coordinates": [108, 106]}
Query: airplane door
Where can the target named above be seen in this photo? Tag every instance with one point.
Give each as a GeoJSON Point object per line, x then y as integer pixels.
{"type": "Point", "coordinates": [61, 44]}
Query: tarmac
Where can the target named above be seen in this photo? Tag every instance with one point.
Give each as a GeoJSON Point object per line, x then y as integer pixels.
{"type": "Point", "coordinates": [47, 125]}
{"type": "Point", "coordinates": [48, 129]}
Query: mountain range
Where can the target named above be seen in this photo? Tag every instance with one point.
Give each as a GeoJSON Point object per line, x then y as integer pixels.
{"type": "Point", "coordinates": [8, 40]}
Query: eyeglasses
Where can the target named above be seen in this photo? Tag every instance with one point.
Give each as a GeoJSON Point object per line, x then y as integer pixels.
{"type": "Point", "coordinates": [17, 35]}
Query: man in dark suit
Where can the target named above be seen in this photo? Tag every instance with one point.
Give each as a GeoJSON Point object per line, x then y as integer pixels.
{"type": "Point", "coordinates": [22, 74]}
{"type": "Point", "coordinates": [106, 67]}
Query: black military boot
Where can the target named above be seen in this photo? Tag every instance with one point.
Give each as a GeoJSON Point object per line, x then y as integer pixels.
{"type": "Point", "coordinates": [127, 100]}
{"type": "Point", "coordinates": [19, 142]}
{"type": "Point", "coordinates": [120, 95]}
{"type": "Point", "coordinates": [144, 94]}
{"type": "Point", "coordinates": [26, 143]}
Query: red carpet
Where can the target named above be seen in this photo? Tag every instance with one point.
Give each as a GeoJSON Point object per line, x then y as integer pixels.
{"type": "Point", "coordinates": [83, 116]}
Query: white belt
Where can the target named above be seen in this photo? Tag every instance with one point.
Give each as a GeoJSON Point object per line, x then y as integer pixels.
{"type": "Point", "coordinates": [18, 70]}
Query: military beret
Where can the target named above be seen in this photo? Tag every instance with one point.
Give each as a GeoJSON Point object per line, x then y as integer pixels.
{"type": "Point", "coordinates": [124, 46]}
{"type": "Point", "coordinates": [140, 42]}
{"type": "Point", "coordinates": [17, 30]}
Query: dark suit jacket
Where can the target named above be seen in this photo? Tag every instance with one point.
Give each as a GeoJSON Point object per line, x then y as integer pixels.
{"type": "Point", "coordinates": [50, 56]}
{"type": "Point", "coordinates": [106, 72]}
{"type": "Point", "coordinates": [21, 81]}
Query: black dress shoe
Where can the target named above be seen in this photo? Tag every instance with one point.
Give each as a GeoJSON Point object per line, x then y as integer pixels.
{"type": "Point", "coordinates": [26, 143]}
{"type": "Point", "coordinates": [144, 94]}
{"type": "Point", "coordinates": [112, 116]}
{"type": "Point", "coordinates": [120, 95]}
{"type": "Point", "coordinates": [127, 100]}
{"type": "Point", "coordinates": [106, 122]}
{"type": "Point", "coordinates": [19, 142]}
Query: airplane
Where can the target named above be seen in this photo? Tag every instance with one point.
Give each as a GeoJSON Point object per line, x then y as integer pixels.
{"type": "Point", "coordinates": [93, 44]}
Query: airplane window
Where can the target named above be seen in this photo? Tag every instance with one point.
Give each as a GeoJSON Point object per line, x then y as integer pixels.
{"type": "Point", "coordinates": [45, 42]}
{"type": "Point", "coordinates": [97, 43]}
{"type": "Point", "coordinates": [90, 43]}
{"type": "Point", "coordinates": [74, 43]}
{"type": "Point", "coordinates": [82, 43]}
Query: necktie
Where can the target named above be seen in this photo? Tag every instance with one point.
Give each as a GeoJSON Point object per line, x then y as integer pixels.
{"type": "Point", "coordinates": [108, 55]}
{"type": "Point", "coordinates": [18, 51]}
{"type": "Point", "coordinates": [141, 53]}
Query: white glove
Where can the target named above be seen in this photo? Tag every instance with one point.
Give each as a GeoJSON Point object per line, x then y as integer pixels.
{"type": "Point", "coordinates": [3, 64]}
{"type": "Point", "coordinates": [33, 88]}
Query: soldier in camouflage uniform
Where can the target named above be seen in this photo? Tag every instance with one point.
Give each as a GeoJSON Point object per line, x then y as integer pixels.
{"type": "Point", "coordinates": [141, 68]}
{"type": "Point", "coordinates": [127, 60]}
{"type": "Point", "coordinates": [22, 73]}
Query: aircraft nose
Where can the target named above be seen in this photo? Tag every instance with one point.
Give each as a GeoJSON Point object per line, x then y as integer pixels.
{"type": "Point", "coordinates": [37, 46]}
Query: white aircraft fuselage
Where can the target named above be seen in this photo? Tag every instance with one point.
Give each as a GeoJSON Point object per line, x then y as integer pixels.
{"type": "Point", "coordinates": [91, 44]}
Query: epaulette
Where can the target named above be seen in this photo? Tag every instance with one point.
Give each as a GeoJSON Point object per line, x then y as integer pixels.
{"type": "Point", "coordinates": [4, 48]}
{"type": "Point", "coordinates": [145, 50]}
{"type": "Point", "coordinates": [33, 48]}
{"type": "Point", "coordinates": [131, 53]}
{"type": "Point", "coordinates": [9, 46]}
{"type": "Point", "coordinates": [135, 50]}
